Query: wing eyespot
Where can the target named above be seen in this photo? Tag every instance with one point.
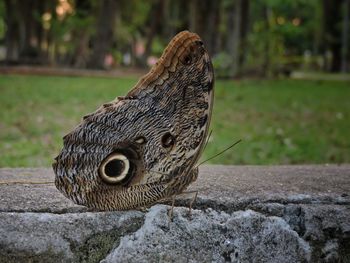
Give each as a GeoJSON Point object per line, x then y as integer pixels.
{"type": "Point", "coordinates": [188, 59]}
{"type": "Point", "coordinates": [168, 140]}
{"type": "Point", "coordinates": [115, 168]}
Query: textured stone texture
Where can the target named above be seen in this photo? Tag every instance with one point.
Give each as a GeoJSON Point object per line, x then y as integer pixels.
{"type": "Point", "coordinates": [208, 236]}
{"type": "Point", "coordinates": [242, 214]}
{"type": "Point", "coordinates": [74, 237]}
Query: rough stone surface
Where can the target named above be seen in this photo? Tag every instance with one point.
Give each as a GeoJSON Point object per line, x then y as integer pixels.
{"type": "Point", "coordinates": [74, 237]}
{"type": "Point", "coordinates": [208, 236]}
{"type": "Point", "coordinates": [242, 214]}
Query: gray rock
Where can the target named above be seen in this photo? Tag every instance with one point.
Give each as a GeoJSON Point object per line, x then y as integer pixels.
{"type": "Point", "coordinates": [45, 237]}
{"type": "Point", "coordinates": [330, 251]}
{"type": "Point", "coordinates": [211, 236]}
{"type": "Point", "coordinates": [242, 214]}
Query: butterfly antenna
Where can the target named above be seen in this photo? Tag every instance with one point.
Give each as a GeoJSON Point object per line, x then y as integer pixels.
{"type": "Point", "coordinates": [216, 155]}
{"type": "Point", "coordinates": [24, 182]}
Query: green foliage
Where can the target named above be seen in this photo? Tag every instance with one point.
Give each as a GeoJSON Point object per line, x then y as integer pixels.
{"type": "Point", "coordinates": [222, 64]}
{"type": "Point", "coordinates": [133, 19]}
{"type": "Point", "coordinates": [280, 121]}
{"type": "Point", "coordinates": [158, 46]}
{"type": "Point", "coordinates": [68, 31]}
{"type": "Point", "coordinates": [281, 29]}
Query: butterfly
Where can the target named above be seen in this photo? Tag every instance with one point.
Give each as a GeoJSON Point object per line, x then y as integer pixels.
{"type": "Point", "coordinates": [143, 148]}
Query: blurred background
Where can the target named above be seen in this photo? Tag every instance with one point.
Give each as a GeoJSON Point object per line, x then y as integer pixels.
{"type": "Point", "coordinates": [282, 70]}
{"type": "Point", "coordinates": [258, 38]}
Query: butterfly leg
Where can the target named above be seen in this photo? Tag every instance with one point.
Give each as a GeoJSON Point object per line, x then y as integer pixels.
{"type": "Point", "coordinates": [143, 209]}
{"type": "Point", "coordinates": [192, 202]}
{"type": "Point", "coordinates": [193, 199]}
{"type": "Point", "coordinates": [171, 210]}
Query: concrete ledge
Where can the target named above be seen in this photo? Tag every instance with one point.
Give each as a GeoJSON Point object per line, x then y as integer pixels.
{"type": "Point", "coordinates": [242, 214]}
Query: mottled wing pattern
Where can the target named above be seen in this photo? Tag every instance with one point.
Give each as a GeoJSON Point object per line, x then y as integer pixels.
{"type": "Point", "coordinates": [141, 148]}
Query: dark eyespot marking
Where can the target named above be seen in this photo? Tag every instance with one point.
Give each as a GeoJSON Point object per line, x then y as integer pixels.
{"type": "Point", "coordinates": [188, 59]}
{"type": "Point", "coordinates": [200, 42]}
{"type": "Point", "coordinates": [168, 140]}
{"type": "Point", "coordinates": [115, 168]}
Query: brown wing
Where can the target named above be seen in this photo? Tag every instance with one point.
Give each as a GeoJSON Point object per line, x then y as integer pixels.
{"type": "Point", "coordinates": [122, 155]}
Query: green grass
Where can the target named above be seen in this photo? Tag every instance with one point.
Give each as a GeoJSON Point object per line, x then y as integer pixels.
{"type": "Point", "coordinates": [280, 121]}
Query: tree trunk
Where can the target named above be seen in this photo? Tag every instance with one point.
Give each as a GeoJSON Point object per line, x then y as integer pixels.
{"type": "Point", "coordinates": [266, 62]}
{"type": "Point", "coordinates": [244, 31]}
{"type": "Point", "coordinates": [345, 37]}
{"type": "Point", "coordinates": [29, 46]}
{"type": "Point", "coordinates": [104, 34]}
{"type": "Point", "coordinates": [81, 35]}
{"type": "Point", "coordinates": [175, 19]}
{"type": "Point", "coordinates": [234, 36]}
{"type": "Point", "coordinates": [204, 18]}
{"type": "Point", "coordinates": [24, 31]}
{"type": "Point", "coordinates": [156, 16]}
{"type": "Point", "coordinates": [332, 34]}
{"type": "Point", "coordinates": [12, 31]}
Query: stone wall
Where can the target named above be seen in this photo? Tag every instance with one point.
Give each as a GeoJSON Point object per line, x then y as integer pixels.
{"type": "Point", "coordinates": [242, 214]}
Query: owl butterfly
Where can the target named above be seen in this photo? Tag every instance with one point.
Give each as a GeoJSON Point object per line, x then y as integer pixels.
{"type": "Point", "coordinates": [143, 148]}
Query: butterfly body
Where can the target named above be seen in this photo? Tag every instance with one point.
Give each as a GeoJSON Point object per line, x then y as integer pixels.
{"type": "Point", "coordinates": [142, 148]}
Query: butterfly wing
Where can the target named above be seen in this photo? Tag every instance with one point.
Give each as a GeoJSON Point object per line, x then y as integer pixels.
{"type": "Point", "coordinates": [126, 153]}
